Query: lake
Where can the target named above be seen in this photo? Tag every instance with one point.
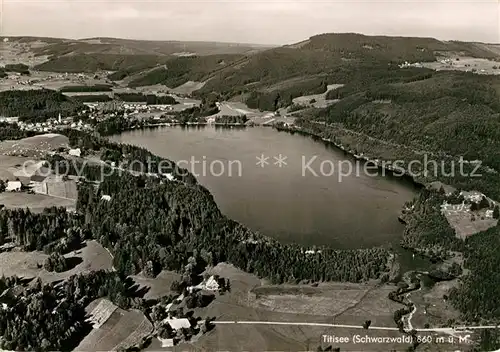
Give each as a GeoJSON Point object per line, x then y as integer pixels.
{"type": "Point", "coordinates": [303, 192]}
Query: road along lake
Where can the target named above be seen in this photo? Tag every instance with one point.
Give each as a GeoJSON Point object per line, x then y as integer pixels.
{"type": "Point", "coordinates": [289, 187]}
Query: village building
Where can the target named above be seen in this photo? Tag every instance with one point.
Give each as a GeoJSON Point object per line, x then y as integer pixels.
{"type": "Point", "coordinates": [75, 152]}
{"type": "Point", "coordinates": [169, 177]}
{"type": "Point", "coordinates": [166, 342]}
{"type": "Point", "coordinates": [211, 284]}
{"type": "Point", "coordinates": [178, 323]}
{"type": "Point", "coordinates": [14, 186]}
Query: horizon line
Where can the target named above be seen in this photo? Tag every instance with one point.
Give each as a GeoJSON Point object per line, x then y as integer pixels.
{"type": "Point", "coordinates": [246, 43]}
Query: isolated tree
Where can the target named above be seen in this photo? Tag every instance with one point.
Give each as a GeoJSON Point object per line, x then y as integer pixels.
{"type": "Point", "coordinates": [176, 286]}
{"type": "Point", "coordinates": [191, 301]}
{"type": "Point", "coordinates": [55, 262]}
{"type": "Point", "coordinates": [367, 324]}
{"type": "Point", "coordinates": [496, 212]}
{"type": "Point", "coordinates": [485, 203]}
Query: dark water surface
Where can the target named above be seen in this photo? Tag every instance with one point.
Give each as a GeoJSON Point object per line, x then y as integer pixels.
{"type": "Point", "coordinates": [289, 203]}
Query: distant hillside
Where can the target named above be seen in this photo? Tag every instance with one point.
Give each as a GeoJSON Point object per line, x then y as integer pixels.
{"type": "Point", "coordinates": [95, 62]}
{"type": "Point", "coordinates": [267, 79]}
{"type": "Point", "coordinates": [126, 57]}
{"type": "Point", "coordinates": [61, 46]}
{"type": "Point", "coordinates": [397, 49]}
{"type": "Point", "coordinates": [334, 57]}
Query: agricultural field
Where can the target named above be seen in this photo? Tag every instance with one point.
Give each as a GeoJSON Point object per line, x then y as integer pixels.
{"type": "Point", "coordinates": [328, 303]}
{"type": "Point", "coordinates": [188, 88]}
{"type": "Point", "coordinates": [13, 52]}
{"type": "Point", "coordinates": [116, 328]}
{"type": "Point", "coordinates": [467, 224]}
{"type": "Point", "coordinates": [319, 99]}
{"type": "Point", "coordinates": [92, 257]}
{"type": "Point", "coordinates": [432, 307]}
{"type": "Point", "coordinates": [34, 202]}
{"type": "Point", "coordinates": [11, 167]}
{"type": "Point", "coordinates": [34, 147]}
{"type": "Point", "coordinates": [466, 64]}
{"type": "Point", "coordinates": [50, 80]}
{"type": "Point", "coordinates": [347, 303]}
{"type": "Point", "coordinates": [156, 287]}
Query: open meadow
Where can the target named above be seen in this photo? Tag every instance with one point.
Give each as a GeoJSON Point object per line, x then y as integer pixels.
{"type": "Point", "coordinates": [251, 299]}
{"type": "Point", "coordinates": [30, 264]}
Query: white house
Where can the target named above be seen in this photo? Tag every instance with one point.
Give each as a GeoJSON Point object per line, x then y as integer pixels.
{"type": "Point", "coordinates": [13, 186]}
{"type": "Point", "coordinates": [178, 323]}
{"type": "Point", "coordinates": [169, 177]}
{"type": "Point", "coordinates": [75, 152]}
{"type": "Point", "coordinates": [212, 284]}
{"type": "Point", "coordinates": [106, 198]}
{"type": "Point", "coordinates": [166, 342]}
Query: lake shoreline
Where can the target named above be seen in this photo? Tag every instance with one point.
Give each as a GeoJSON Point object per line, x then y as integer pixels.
{"type": "Point", "coordinates": [386, 239]}
{"type": "Point", "coordinates": [381, 165]}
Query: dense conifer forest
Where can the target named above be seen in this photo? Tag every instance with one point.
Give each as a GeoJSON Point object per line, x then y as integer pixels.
{"type": "Point", "coordinates": [37, 105]}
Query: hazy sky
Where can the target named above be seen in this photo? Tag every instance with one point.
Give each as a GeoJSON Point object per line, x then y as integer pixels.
{"type": "Point", "coordinates": [266, 22]}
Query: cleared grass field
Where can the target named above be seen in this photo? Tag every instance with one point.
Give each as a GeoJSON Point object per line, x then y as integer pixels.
{"type": "Point", "coordinates": [26, 264]}
{"type": "Point", "coordinates": [188, 88]}
{"type": "Point", "coordinates": [251, 299]}
{"type": "Point", "coordinates": [467, 64]}
{"type": "Point", "coordinates": [10, 166]}
{"type": "Point", "coordinates": [34, 202]}
{"type": "Point", "coordinates": [467, 224]}
{"type": "Point", "coordinates": [34, 147]}
{"type": "Point", "coordinates": [158, 286]}
{"type": "Point", "coordinates": [320, 99]}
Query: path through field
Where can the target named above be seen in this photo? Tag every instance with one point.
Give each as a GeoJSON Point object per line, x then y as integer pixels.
{"type": "Point", "coordinates": [443, 330]}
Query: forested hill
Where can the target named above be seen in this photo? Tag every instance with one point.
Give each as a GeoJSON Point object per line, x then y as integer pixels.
{"type": "Point", "coordinates": [444, 114]}
{"type": "Point", "coordinates": [412, 49]}
{"type": "Point", "coordinates": [245, 68]}
{"type": "Point", "coordinates": [37, 105]}
{"type": "Point", "coordinates": [282, 73]}
{"type": "Point", "coordinates": [165, 223]}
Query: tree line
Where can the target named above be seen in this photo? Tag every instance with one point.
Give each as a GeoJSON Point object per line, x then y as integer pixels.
{"type": "Point", "coordinates": [52, 317]}
{"type": "Point", "coordinates": [37, 105]}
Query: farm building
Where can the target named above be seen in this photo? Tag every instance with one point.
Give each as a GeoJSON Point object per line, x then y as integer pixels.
{"type": "Point", "coordinates": [166, 342]}
{"type": "Point", "coordinates": [75, 152]}
{"type": "Point", "coordinates": [106, 198]}
{"type": "Point", "coordinates": [169, 177]}
{"type": "Point", "coordinates": [178, 323]}
{"type": "Point", "coordinates": [14, 186]}
{"type": "Point", "coordinates": [55, 185]}
{"type": "Point", "coordinates": [212, 284]}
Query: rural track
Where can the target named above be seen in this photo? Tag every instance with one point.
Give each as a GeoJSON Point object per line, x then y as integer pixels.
{"type": "Point", "coordinates": [443, 330]}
